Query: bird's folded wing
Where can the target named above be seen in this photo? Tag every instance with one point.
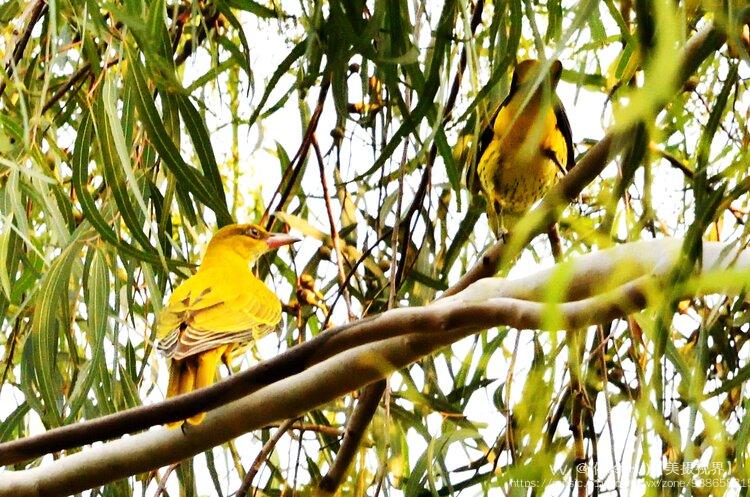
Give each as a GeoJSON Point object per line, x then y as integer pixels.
{"type": "Point", "coordinates": [251, 306]}
{"type": "Point", "coordinates": [209, 310]}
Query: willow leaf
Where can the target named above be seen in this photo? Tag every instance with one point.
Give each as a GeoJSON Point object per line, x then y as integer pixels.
{"type": "Point", "coordinates": [186, 175]}
{"type": "Point", "coordinates": [196, 127]}
{"type": "Point", "coordinates": [51, 302]}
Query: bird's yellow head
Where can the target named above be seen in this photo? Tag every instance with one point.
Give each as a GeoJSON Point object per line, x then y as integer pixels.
{"type": "Point", "coordinates": [531, 94]}
{"type": "Point", "coordinates": [248, 241]}
{"type": "Point", "coordinates": [527, 72]}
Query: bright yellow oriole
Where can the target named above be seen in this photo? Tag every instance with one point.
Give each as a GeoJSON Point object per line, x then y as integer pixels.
{"type": "Point", "coordinates": [221, 307]}
{"type": "Point", "coordinates": [526, 146]}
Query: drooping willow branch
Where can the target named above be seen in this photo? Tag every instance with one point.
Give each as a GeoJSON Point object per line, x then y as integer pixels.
{"type": "Point", "coordinates": [603, 286]}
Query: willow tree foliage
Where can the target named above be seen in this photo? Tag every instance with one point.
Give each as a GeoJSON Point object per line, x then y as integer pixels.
{"type": "Point", "coordinates": [131, 130]}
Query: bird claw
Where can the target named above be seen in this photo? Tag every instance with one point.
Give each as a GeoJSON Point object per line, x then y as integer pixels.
{"type": "Point", "coordinates": [502, 234]}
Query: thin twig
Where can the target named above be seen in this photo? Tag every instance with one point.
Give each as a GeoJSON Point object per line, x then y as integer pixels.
{"type": "Point", "coordinates": [370, 398]}
{"type": "Point", "coordinates": [510, 442]}
{"type": "Point", "coordinates": [334, 232]}
{"type": "Point", "coordinates": [162, 487]}
{"type": "Point", "coordinates": [421, 192]}
{"type": "Point", "coordinates": [575, 340]}
{"type": "Point", "coordinates": [77, 77]}
{"type": "Point", "coordinates": [365, 254]}
{"type": "Point", "coordinates": [364, 411]}
{"type": "Point", "coordinates": [39, 9]}
{"type": "Point", "coordinates": [265, 451]}
{"type": "Point", "coordinates": [11, 344]}
{"type": "Point", "coordinates": [355, 429]}
{"type": "Point", "coordinates": [295, 165]}
{"type": "Point", "coordinates": [333, 431]}
{"type": "Point", "coordinates": [64, 89]}
{"type": "Point", "coordinates": [202, 32]}
{"type": "Point", "coordinates": [608, 406]}
{"type": "Point", "coordinates": [393, 290]}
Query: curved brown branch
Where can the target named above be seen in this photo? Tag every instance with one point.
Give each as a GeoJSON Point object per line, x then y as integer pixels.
{"type": "Point", "coordinates": [355, 430]}
{"type": "Point", "coordinates": [76, 79]}
{"type": "Point", "coordinates": [393, 340]}
{"type": "Point", "coordinates": [265, 451]}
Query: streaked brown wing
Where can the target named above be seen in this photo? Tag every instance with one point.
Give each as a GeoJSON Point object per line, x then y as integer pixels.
{"type": "Point", "coordinates": [186, 341]}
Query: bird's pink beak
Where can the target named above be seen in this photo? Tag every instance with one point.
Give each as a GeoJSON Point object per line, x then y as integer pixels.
{"type": "Point", "coordinates": [277, 240]}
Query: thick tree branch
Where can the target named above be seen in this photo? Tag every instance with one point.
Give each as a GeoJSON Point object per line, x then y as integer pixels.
{"type": "Point", "coordinates": [369, 350]}
{"type": "Point", "coordinates": [355, 430]}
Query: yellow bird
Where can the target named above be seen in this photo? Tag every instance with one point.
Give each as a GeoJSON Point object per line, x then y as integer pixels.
{"type": "Point", "coordinates": [526, 147]}
{"type": "Point", "coordinates": [221, 307]}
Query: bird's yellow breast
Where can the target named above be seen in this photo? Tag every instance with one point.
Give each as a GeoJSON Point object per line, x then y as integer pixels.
{"type": "Point", "coordinates": [516, 169]}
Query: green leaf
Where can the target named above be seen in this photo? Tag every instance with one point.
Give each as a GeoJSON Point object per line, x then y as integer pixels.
{"type": "Point", "coordinates": [117, 170]}
{"type": "Point", "coordinates": [211, 74]}
{"type": "Point", "coordinates": [256, 9]}
{"type": "Point", "coordinates": [50, 311]}
{"type": "Point", "coordinates": [13, 425]}
{"type": "Point", "coordinates": [436, 450]}
{"type": "Point", "coordinates": [187, 176]}
{"type": "Point", "coordinates": [211, 466]}
{"type": "Point", "coordinates": [196, 127]}
{"type": "Point", "coordinates": [79, 165]}
{"type": "Point", "coordinates": [97, 309]}
{"type": "Point", "coordinates": [5, 234]}
{"type": "Point", "coordinates": [714, 119]}
{"type": "Point", "coordinates": [554, 20]}
{"type": "Point", "coordinates": [286, 64]}
{"type": "Point", "coordinates": [451, 168]}
{"type": "Point", "coordinates": [242, 60]}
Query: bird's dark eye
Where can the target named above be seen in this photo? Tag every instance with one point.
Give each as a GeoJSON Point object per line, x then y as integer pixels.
{"type": "Point", "coordinates": [254, 232]}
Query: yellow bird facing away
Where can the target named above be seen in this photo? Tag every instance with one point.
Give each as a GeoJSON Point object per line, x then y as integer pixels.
{"type": "Point", "coordinates": [219, 309]}
{"type": "Point", "coordinates": [526, 146]}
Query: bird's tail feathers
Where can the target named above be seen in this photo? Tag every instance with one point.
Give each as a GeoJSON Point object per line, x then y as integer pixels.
{"type": "Point", "coordinates": [192, 373]}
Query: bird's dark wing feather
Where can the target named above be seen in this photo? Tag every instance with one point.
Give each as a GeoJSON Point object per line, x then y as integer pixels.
{"type": "Point", "coordinates": [564, 126]}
